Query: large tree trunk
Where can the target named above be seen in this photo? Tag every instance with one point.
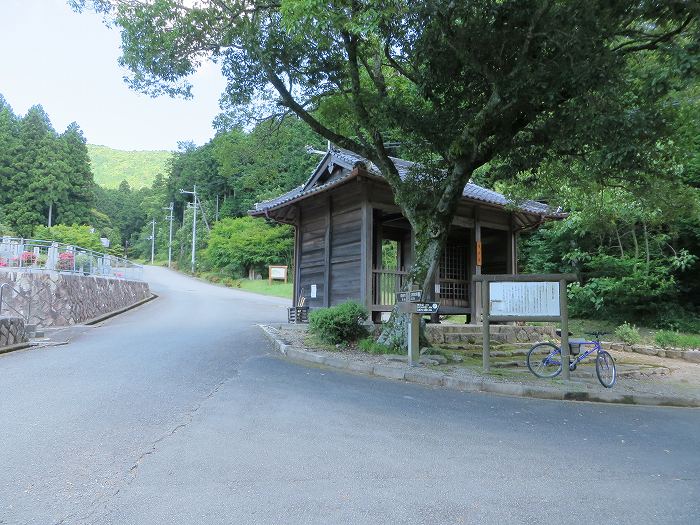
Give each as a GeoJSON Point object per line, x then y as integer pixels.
{"type": "Point", "coordinates": [431, 233]}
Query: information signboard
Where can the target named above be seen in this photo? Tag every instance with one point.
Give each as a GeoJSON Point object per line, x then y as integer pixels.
{"type": "Point", "coordinates": [409, 297]}
{"type": "Point", "coordinates": [534, 297]}
{"type": "Point", "coordinates": [524, 299]}
{"type": "Point", "coordinates": [278, 273]}
{"type": "Point", "coordinates": [427, 308]}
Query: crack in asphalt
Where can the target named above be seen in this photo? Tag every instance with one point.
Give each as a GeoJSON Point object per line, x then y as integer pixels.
{"type": "Point", "coordinates": [101, 502]}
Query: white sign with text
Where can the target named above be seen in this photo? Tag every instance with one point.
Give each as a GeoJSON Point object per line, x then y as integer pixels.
{"type": "Point", "coordinates": [524, 299]}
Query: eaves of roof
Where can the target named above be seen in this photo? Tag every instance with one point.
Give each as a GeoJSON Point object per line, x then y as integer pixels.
{"type": "Point", "coordinates": [349, 160]}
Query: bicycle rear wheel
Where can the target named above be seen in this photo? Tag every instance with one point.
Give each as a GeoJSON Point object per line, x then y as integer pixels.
{"type": "Point", "coordinates": [544, 360]}
{"type": "Point", "coordinates": [605, 369]}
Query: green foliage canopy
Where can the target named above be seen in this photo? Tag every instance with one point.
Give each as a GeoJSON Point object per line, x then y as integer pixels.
{"type": "Point", "coordinates": [75, 235]}
{"type": "Point", "coordinates": [238, 244]}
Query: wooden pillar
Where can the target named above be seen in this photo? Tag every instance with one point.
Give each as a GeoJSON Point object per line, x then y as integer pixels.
{"type": "Point", "coordinates": [297, 258]}
{"type": "Point", "coordinates": [327, 255]}
{"type": "Point", "coordinates": [366, 243]}
{"type": "Point", "coordinates": [509, 247]}
{"type": "Point", "coordinates": [477, 286]}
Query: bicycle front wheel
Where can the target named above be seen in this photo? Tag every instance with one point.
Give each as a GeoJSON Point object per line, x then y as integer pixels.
{"type": "Point", "coordinates": [544, 360]}
{"type": "Point", "coordinates": [605, 369]}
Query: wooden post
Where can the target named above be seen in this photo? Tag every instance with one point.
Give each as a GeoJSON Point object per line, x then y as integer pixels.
{"type": "Point", "coordinates": [297, 259]}
{"type": "Point", "coordinates": [478, 287]}
{"type": "Point", "coordinates": [366, 251]}
{"type": "Point", "coordinates": [563, 311]}
{"type": "Point", "coordinates": [413, 339]}
{"type": "Point", "coordinates": [327, 255]}
{"type": "Point", "coordinates": [510, 267]}
{"type": "Point", "coordinates": [485, 292]}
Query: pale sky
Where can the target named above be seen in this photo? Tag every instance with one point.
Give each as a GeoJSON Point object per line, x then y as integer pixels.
{"type": "Point", "coordinates": [67, 62]}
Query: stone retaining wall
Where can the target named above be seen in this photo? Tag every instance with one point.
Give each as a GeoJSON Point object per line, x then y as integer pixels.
{"type": "Point", "coordinates": [674, 353]}
{"type": "Point", "coordinates": [12, 331]}
{"type": "Point", "coordinates": [451, 333]}
{"type": "Point", "coordinates": [55, 299]}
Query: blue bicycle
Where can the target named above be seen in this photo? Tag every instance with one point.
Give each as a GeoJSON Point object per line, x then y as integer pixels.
{"type": "Point", "coordinates": [544, 359]}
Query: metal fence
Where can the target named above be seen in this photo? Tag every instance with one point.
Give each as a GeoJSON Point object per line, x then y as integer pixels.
{"type": "Point", "coordinates": [38, 255]}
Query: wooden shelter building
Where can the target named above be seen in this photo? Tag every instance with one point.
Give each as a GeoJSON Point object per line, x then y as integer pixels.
{"type": "Point", "coordinates": [353, 243]}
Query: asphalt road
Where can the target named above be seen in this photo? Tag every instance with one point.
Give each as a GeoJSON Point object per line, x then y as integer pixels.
{"type": "Point", "coordinates": [179, 412]}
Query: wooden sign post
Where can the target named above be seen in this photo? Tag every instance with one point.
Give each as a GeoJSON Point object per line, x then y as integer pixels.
{"type": "Point", "coordinates": [537, 297]}
{"type": "Point", "coordinates": [409, 304]}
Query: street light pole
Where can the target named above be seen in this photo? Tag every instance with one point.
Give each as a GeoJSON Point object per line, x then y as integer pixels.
{"type": "Point", "coordinates": [153, 240]}
{"type": "Point", "coordinates": [170, 235]}
{"type": "Point", "coordinates": [194, 222]}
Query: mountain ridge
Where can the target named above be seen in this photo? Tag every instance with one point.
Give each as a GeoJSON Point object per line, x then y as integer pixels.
{"type": "Point", "coordinates": [111, 166]}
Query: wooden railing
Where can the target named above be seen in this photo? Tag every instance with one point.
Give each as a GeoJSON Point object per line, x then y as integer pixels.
{"type": "Point", "coordinates": [385, 284]}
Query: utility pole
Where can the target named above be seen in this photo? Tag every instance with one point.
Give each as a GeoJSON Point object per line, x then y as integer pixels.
{"type": "Point", "coordinates": [170, 235]}
{"type": "Point", "coordinates": [153, 240]}
{"type": "Point", "coordinates": [194, 222]}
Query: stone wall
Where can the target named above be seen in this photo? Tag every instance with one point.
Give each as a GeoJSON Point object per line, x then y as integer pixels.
{"type": "Point", "coordinates": [12, 331]}
{"type": "Point", "coordinates": [55, 299]}
{"type": "Point", "coordinates": [473, 334]}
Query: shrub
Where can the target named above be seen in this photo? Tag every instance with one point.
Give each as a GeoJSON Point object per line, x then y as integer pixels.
{"type": "Point", "coordinates": [371, 346]}
{"type": "Point", "coordinates": [628, 333]}
{"type": "Point", "coordinates": [667, 339]}
{"type": "Point", "coordinates": [28, 258]}
{"type": "Point", "coordinates": [339, 324]}
{"type": "Point", "coordinates": [82, 236]}
{"type": "Point", "coordinates": [65, 261]}
{"type": "Point", "coordinates": [5, 230]}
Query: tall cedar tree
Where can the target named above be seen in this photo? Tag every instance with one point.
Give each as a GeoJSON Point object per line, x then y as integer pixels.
{"type": "Point", "coordinates": [42, 173]}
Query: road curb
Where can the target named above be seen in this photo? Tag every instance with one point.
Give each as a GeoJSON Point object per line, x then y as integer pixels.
{"type": "Point", "coordinates": [13, 348]}
{"type": "Point", "coordinates": [439, 379]}
{"type": "Point", "coordinates": [98, 319]}
{"type": "Point", "coordinates": [115, 313]}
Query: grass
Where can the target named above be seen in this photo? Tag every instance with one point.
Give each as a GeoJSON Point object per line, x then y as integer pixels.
{"type": "Point", "coordinates": [668, 339]}
{"type": "Point", "coordinates": [259, 286]}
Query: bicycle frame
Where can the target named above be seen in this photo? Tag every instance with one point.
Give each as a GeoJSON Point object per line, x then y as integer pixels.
{"type": "Point", "coordinates": [551, 358]}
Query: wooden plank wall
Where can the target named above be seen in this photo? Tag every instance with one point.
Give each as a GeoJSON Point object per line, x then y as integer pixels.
{"type": "Point", "coordinates": [330, 257]}
{"type": "Point", "coordinates": [345, 238]}
{"type": "Point", "coordinates": [312, 242]}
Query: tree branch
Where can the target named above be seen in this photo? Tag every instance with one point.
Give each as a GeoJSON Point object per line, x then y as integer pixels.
{"type": "Point", "coordinates": [632, 46]}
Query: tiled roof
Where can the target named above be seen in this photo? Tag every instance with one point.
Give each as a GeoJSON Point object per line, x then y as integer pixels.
{"type": "Point", "coordinates": [348, 160]}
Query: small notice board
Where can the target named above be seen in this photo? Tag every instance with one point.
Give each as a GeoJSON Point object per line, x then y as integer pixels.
{"type": "Point", "coordinates": [277, 273]}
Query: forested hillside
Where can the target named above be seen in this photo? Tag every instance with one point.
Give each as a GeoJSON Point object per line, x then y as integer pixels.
{"type": "Point", "coordinates": [236, 169]}
{"type": "Point", "coordinates": [139, 168]}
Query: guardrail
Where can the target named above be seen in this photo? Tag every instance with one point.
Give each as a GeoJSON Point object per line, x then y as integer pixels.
{"type": "Point", "coordinates": [39, 255]}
